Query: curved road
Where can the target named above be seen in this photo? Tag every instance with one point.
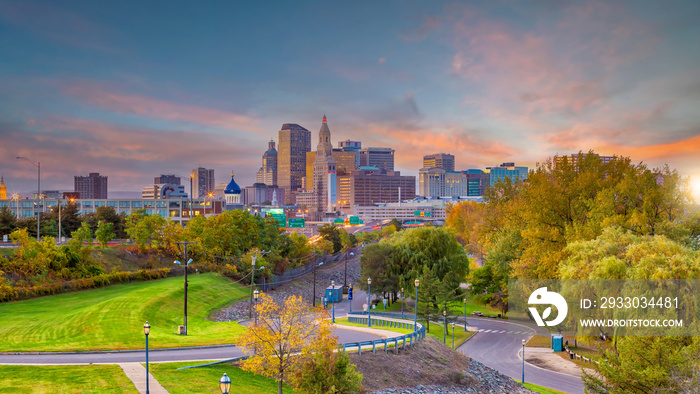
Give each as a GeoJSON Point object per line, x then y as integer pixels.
{"type": "Point", "coordinates": [191, 354]}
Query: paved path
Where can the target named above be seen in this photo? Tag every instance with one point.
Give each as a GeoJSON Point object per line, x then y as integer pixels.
{"type": "Point", "coordinates": [137, 373]}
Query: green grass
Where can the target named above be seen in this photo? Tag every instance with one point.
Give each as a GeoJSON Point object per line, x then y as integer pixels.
{"type": "Point", "coordinates": [435, 331]}
{"type": "Point", "coordinates": [112, 317]}
{"type": "Point", "coordinates": [454, 308]}
{"type": "Point", "coordinates": [541, 389]}
{"type": "Point", "coordinates": [206, 379]}
{"type": "Point", "coordinates": [64, 379]}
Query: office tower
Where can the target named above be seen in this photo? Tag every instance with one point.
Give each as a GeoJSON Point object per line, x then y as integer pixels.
{"type": "Point", "coordinates": [294, 142]}
{"type": "Point", "coordinates": [163, 179]}
{"type": "Point", "coordinates": [344, 163]}
{"type": "Point", "coordinates": [203, 182]}
{"type": "Point", "coordinates": [382, 158]}
{"type": "Point", "coordinates": [324, 170]}
{"type": "Point", "coordinates": [351, 146]}
{"type": "Point", "coordinates": [3, 189]}
{"type": "Point", "coordinates": [445, 161]}
{"type": "Point", "coordinates": [267, 174]}
{"type": "Point", "coordinates": [368, 187]}
{"type": "Point", "coordinates": [477, 182]}
{"type": "Point", "coordinates": [431, 182]}
{"type": "Point", "coordinates": [91, 186]}
{"type": "Point", "coordinates": [506, 170]}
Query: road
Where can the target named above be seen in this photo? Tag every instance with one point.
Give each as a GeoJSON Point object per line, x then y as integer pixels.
{"type": "Point", "coordinates": [498, 345]}
{"type": "Point", "coordinates": [213, 353]}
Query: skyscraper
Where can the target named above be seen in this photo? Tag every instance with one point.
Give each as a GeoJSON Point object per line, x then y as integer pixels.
{"type": "Point", "coordinates": [171, 179]}
{"type": "Point", "coordinates": [382, 158]}
{"type": "Point", "coordinates": [91, 186]}
{"type": "Point", "coordinates": [351, 146]}
{"type": "Point", "coordinates": [294, 142]}
{"type": "Point", "coordinates": [203, 182]}
{"type": "Point", "coordinates": [269, 165]}
{"type": "Point", "coordinates": [324, 170]}
{"type": "Point", "coordinates": [445, 161]}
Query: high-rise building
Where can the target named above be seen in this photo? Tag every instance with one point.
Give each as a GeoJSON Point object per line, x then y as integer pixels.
{"type": "Point", "coordinates": [573, 159]}
{"type": "Point", "coordinates": [203, 182]}
{"type": "Point", "coordinates": [445, 161]}
{"type": "Point", "coordinates": [351, 146]}
{"type": "Point", "coordinates": [382, 158]}
{"type": "Point", "coordinates": [325, 170]}
{"type": "Point", "coordinates": [368, 187]}
{"type": "Point", "coordinates": [91, 186]}
{"type": "Point", "coordinates": [431, 182]}
{"type": "Point", "coordinates": [3, 189]}
{"type": "Point", "coordinates": [268, 172]}
{"type": "Point", "coordinates": [294, 142]}
{"type": "Point", "coordinates": [506, 170]}
{"type": "Point", "coordinates": [477, 182]}
{"type": "Point", "coordinates": [344, 163]}
{"type": "Point", "coordinates": [163, 179]}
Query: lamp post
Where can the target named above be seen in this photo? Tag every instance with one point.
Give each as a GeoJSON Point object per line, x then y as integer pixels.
{"type": "Point", "coordinates": [332, 298]}
{"type": "Point", "coordinates": [465, 314]}
{"type": "Point", "coordinates": [523, 381]}
{"type": "Point", "coordinates": [453, 335]}
{"type": "Point", "coordinates": [444, 326]}
{"type": "Point", "coordinates": [38, 192]}
{"type": "Point", "coordinates": [314, 297]}
{"type": "Point", "coordinates": [16, 198]}
{"type": "Point", "coordinates": [191, 180]}
{"type": "Point", "coordinates": [225, 384]}
{"type": "Point", "coordinates": [369, 302]}
{"type": "Point", "coordinates": [256, 254]}
{"type": "Point", "coordinates": [402, 302]}
{"type": "Point", "coordinates": [146, 331]}
{"type": "Point", "coordinates": [350, 299]}
{"type": "Point", "coordinates": [415, 317]}
{"type": "Point", "coordinates": [186, 265]}
{"type": "Point", "coordinates": [256, 294]}
{"type": "Point", "coordinates": [345, 281]}
{"type": "Point", "coordinates": [211, 201]}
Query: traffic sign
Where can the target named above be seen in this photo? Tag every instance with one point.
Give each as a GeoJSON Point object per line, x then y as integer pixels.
{"type": "Point", "coordinates": [354, 220]}
{"type": "Point", "coordinates": [297, 222]}
{"type": "Point", "coordinates": [339, 221]}
{"type": "Point", "coordinates": [281, 219]}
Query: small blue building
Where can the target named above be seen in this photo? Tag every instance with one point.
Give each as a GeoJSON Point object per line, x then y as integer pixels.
{"type": "Point", "coordinates": [334, 293]}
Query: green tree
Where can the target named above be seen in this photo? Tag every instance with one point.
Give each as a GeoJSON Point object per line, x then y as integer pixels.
{"type": "Point", "coordinates": [331, 232]}
{"type": "Point", "coordinates": [327, 370]}
{"type": "Point", "coordinates": [143, 228]}
{"type": "Point", "coordinates": [80, 243]}
{"type": "Point", "coordinates": [104, 233]}
{"type": "Point", "coordinates": [8, 221]}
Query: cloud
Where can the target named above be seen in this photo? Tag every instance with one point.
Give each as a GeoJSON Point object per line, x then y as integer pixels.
{"type": "Point", "coordinates": [130, 156]}
{"type": "Point", "coordinates": [134, 104]}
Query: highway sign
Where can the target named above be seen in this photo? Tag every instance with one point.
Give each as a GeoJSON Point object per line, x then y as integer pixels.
{"type": "Point", "coordinates": [297, 222]}
{"type": "Point", "coordinates": [354, 220]}
{"type": "Point", "coordinates": [281, 219]}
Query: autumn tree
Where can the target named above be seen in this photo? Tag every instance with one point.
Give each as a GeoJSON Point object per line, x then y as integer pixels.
{"type": "Point", "coordinates": [331, 232]}
{"type": "Point", "coordinates": [285, 337]}
{"type": "Point", "coordinates": [8, 221]}
{"type": "Point", "coordinates": [104, 233]}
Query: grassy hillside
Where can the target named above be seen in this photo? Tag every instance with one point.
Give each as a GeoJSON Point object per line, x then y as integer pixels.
{"type": "Point", "coordinates": [113, 317]}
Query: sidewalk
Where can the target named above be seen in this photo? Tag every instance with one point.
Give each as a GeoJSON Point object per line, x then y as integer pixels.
{"type": "Point", "coordinates": [137, 373]}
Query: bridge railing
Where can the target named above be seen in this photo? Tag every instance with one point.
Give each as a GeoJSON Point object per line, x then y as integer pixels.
{"type": "Point", "coordinates": [379, 321]}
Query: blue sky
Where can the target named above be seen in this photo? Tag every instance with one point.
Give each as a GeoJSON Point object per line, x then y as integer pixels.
{"type": "Point", "coordinates": [133, 90]}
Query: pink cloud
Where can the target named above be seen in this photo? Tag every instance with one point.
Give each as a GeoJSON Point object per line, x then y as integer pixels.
{"type": "Point", "coordinates": [153, 108]}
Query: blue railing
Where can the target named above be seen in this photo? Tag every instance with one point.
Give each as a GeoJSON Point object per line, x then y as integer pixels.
{"type": "Point", "coordinates": [379, 321]}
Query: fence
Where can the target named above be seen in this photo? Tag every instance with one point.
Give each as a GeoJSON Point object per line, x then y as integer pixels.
{"type": "Point", "coordinates": [289, 275]}
{"type": "Point", "coordinates": [380, 321]}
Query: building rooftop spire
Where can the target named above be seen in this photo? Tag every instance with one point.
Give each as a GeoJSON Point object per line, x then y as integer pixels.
{"type": "Point", "coordinates": [324, 118]}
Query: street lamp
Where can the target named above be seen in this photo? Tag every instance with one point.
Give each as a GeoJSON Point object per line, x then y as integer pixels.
{"type": "Point", "coordinates": [256, 294]}
{"type": "Point", "coordinates": [146, 331]}
{"type": "Point", "coordinates": [332, 298]}
{"type": "Point", "coordinates": [38, 192]}
{"type": "Point", "coordinates": [186, 265]}
{"type": "Point", "coordinates": [369, 302]}
{"type": "Point", "coordinates": [523, 381]}
{"type": "Point", "coordinates": [211, 201]}
{"type": "Point", "coordinates": [191, 197]}
{"type": "Point", "coordinates": [444, 326]}
{"type": "Point", "coordinates": [225, 384]}
{"type": "Point", "coordinates": [255, 256]}
{"type": "Point", "coordinates": [313, 302]}
{"type": "Point", "coordinates": [453, 335]}
{"type": "Point", "coordinates": [465, 314]}
{"type": "Point", "coordinates": [415, 318]}
{"type": "Point", "coordinates": [345, 281]}
{"type": "Point", "coordinates": [402, 302]}
{"type": "Point", "coordinates": [350, 299]}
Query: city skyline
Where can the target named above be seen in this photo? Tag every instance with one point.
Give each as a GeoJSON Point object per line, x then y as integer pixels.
{"type": "Point", "coordinates": [131, 95]}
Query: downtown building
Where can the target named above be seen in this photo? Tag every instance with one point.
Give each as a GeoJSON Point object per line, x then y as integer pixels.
{"type": "Point", "coordinates": [439, 160]}
{"type": "Point", "coordinates": [382, 158]}
{"type": "Point", "coordinates": [325, 173]}
{"type": "Point", "coordinates": [369, 186]}
{"type": "Point", "coordinates": [92, 186]}
{"type": "Point", "coordinates": [267, 174]}
{"type": "Point", "coordinates": [294, 142]}
{"type": "Point", "coordinates": [203, 182]}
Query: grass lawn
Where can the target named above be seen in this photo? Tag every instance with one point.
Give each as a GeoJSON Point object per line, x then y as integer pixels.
{"type": "Point", "coordinates": [112, 317]}
{"type": "Point", "coordinates": [64, 379]}
{"type": "Point", "coordinates": [454, 308]}
{"type": "Point", "coordinates": [206, 379]}
{"type": "Point", "coordinates": [540, 389]}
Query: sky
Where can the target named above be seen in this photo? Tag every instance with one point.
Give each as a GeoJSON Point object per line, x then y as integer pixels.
{"type": "Point", "coordinates": [134, 89]}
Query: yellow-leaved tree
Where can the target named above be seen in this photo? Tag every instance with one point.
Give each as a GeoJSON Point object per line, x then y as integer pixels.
{"type": "Point", "coordinates": [285, 337]}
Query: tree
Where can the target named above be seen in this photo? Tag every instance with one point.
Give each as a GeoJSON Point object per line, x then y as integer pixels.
{"type": "Point", "coordinates": [8, 221]}
{"type": "Point", "coordinates": [143, 228]}
{"type": "Point", "coordinates": [285, 337]}
{"type": "Point", "coordinates": [109, 215]}
{"type": "Point", "coordinates": [396, 223]}
{"type": "Point", "coordinates": [331, 232]}
{"type": "Point", "coordinates": [104, 233]}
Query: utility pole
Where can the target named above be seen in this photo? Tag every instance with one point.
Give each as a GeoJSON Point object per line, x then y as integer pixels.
{"type": "Point", "coordinates": [187, 263]}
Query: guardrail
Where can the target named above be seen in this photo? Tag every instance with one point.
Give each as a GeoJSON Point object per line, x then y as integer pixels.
{"type": "Point", "coordinates": [380, 321]}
